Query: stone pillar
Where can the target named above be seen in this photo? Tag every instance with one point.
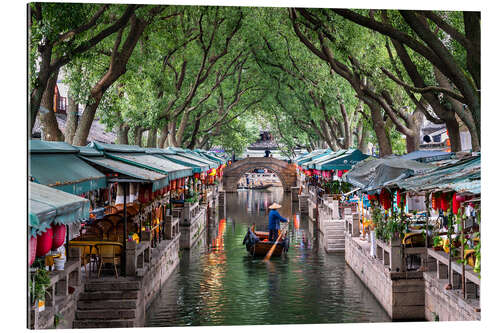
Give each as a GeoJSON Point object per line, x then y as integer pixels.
{"type": "Point", "coordinates": [355, 225]}
{"type": "Point", "coordinates": [119, 195]}
{"type": "Point", "coordinates": [396, 258]}
{"type": "Point", "coordinates": [442, 271]}
{"type": "Point", "coordinates": [295, 194]}
{"type": "Point", "coordinates": [131, 256]}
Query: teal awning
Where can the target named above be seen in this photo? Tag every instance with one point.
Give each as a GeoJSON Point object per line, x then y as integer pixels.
{"type": "Point", "coordinates": [308, 157]}
{"type": "Point", "coordinates": [65, 172]}
{"type": "Point", "coordinates": [219, 160]}
{"type": "Point", "coordinates": [117, 148]}
{"type": "Point", "coordinates": [39, 146]}
{"type": "Point", "coordinates": [322, 158]}
{"type": "Point", "coordinates": [343, 161]}
{"type": "Point", "coordinates": [153, 162]}
{"type": "Point", "coordinates": [304, 163]}
{"type": "Point", "coordinates": [197, 167]}
{"type": "Point", "coordinates": [50, 206]}
{"type": "Point", "coordinates": [197, 158]}
{"type": "Point", "coordinates": [461, 176]}
{"type": "Point", "coordinates": [159, 180]}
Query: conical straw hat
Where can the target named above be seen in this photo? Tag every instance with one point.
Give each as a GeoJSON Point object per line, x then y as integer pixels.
{"type": "Point", "coordinates": [274, 206]}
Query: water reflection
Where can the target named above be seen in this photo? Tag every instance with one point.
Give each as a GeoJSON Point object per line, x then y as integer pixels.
{"type": "Point", "coordinates": [217, 283]}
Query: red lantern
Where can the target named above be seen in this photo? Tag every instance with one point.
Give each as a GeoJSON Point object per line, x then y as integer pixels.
{"type": "Point", "coordinates": [196, 176]}
{"type": "Point", "coordinates": [173, 184]}
{"type": "Point", "coordinates": [435, 201]}
{"type": "Point", "coordinates": [385, 197]}
{"type": "Point", "coordinates": [455, 204]}
{"type": "Point", "coordinates": [44, 243]}
{"type": "Point", "coordinates": [444, 202]}
{"type": "Point", "coordinates": [59, 233]}
{"type": "Point", "coordinates": [32, 250]}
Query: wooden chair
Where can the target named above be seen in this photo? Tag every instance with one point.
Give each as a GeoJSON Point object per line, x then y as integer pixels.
{"type": "Point", "coordinates": [106, 226]}
{"type": "Point", "coordinates": [108, 254]}
{"type": "Point", "coordinates": [85, 257]}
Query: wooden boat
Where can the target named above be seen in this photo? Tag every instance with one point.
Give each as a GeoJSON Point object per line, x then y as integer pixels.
{"type": "Point", "coordinates": [258, 245]}
{"type": "Point", "coordinates": [257, 187]}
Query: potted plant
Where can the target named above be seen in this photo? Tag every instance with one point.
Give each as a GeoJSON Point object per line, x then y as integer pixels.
{"type": "Point", "coordinates": [437, 244]}
{"type": "Point", "coordinates": [38, 285]}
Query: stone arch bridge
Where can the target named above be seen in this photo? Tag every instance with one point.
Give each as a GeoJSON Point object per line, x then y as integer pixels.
{"type": "Point", "coordinates": [285, 172]}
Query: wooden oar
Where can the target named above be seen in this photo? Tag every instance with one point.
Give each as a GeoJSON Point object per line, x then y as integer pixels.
{"type": "Point", "coordinates": [271, 250]}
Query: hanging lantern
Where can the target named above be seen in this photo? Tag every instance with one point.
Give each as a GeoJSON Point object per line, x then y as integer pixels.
{"type": "Point", "coordinates": [372, 197]}
{"type": "Point", "coordinates": [385, 197]}
{"type": "Point", "coordinates": [455, 204]}
{"type": "Point", "coordinates": [59, 234]}
{"type": "Point", "coordinates": [197, 176]}
{"type": "Point", "coordinates": [44, 243]}
{"type": "Point", "coordinates": [435, 201]}
{"type": "Point", "coordinates": [400, 198]}
{"type": "Point", "coordinates": [32, 250]}
{"type": "Point", "coordinates": [445, 205]}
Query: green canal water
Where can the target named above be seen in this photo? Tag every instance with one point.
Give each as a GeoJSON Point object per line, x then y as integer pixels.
{"type": "Point", "coordinates": [218, 283]}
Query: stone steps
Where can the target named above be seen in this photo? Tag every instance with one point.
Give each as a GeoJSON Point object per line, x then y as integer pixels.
{"type": "Point", "coordinates": [112, 286]}
{"type": "Point", "coordinates": [105, 314]}
{"type": "Point", "coordinates": [98, 295]}
{"type": "Point", "coordinates": [103, 323]}
{"type": "Point", "coordinates": [108, 304]}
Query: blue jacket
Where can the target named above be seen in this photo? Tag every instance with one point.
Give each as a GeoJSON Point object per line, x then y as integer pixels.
{"type": "Point", "coordinates": [274, 219]}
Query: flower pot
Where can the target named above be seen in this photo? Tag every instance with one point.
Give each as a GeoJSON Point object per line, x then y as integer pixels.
{"type": "Point", "coordinates": [59, 264]}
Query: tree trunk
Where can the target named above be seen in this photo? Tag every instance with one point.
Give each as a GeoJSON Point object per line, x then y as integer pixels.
{"type": "Point", "coordinates": [40, 84]}
{"type": "Point", "coordinates": [122, 134]}
{"type": "Point", "coordinates": [453, 134]}
{"type": "Point", "coordinates": [71, 120]}
{"type": "Point", "coordinates": [138, 135]}
{"type": "Point", "coordinates": [162, 140]}
{"type": "Point", "coordinates": [117, 67]}
{"type": "Point", "coordinates": [85, 123]}
{"type": "Point", "coordinates": [48, 120]}
{"type": "Point", "coordinates": [152, 134]}
{"type": "Point", "coordinates": [384, 143]}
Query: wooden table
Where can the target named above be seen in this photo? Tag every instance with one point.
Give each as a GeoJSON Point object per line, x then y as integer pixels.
{"type": "Point", "coordinates": [92, 245]}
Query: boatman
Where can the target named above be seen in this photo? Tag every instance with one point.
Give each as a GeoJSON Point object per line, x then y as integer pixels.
{"type": "Point", "coordinates": [274, 221]}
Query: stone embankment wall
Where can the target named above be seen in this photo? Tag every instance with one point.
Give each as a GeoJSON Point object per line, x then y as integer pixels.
{"type": "Point", "coordinates": [400, 294]}
{"type": "Point", "coordinates": [445, 305]}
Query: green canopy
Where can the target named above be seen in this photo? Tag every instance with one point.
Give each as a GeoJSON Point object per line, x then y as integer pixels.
{"type": "Point", "coordinates": [198, 158]}
{"type": "Point", "coordinates": [220, 160]}
{"type": "Point", "coordinates": [343, 161]}
{"type": "Point", "coordinates": [462, 176]}
{"type": "Point", "coordinates": [307, 162]}
{"type": "Point", "coordinates": [38, 146]}
{"type": "Point", "coordinates": [311, 155]}
{"type": "Point", "coordinates": [159, 180]}
{"type": "Point", "coordinates": [59, 167]}
{"type": "Point", "coordinates": [116, 148]}
{"type": "Point", "coordinates": [195, 165]}
{"type": "Point", "coordinates": [153, 162]}
{"type": "Point", "coordinates": [50, 206]}
{"type": "Point", "coordinates": [322, 158]}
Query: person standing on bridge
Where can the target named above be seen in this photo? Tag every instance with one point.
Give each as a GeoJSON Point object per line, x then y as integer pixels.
{"type": "Point", "coordinates": [274, 221]}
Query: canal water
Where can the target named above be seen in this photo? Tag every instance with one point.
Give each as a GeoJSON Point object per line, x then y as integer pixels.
{"type": "Point", "coordinates": [218, 283]}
